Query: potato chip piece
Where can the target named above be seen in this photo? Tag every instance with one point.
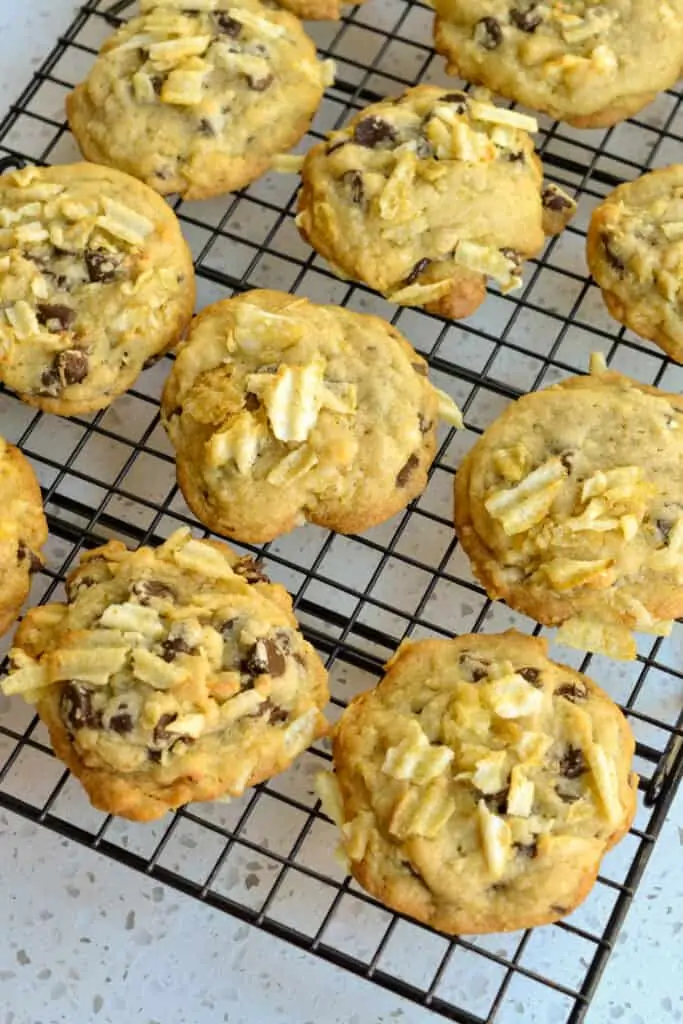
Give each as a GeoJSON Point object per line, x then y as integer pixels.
{"type": "Point", "coordinates": [301, 733]}
{"type": "Point", "coordinates": [602, 638]}
{"type": "Point", "coordinates": [501, 115]}
{"type": "Point", "coordinates": [187, 725]}
{"type": "Point", "coordinates": [293, 466]}
{"type": "Point", "coordinates": [419, 294]}
{"type": "Point", "coordinates": [604, 772]}
{"type": "Point", "coordinates": [395, 202]}
{"type": "Point", "coordinates": [422, 812]}
{"type": "Point", "coordinates": [133, 618]}
{"type": "Point", "coordinates": [491, 772]}
{"type": "Point", "coordinates": [357, 834]}
{"type": "Point", "coordinates": [153, 670]}
{"type": "Point", "coordinates": [184, 87]}
{"type": "Point", "coordinates": [340, 397]}
{"type": "Point", "coordinates": [567, 573]}
{"type": "Point", "coordinates": [88, 665]}
{"type": "Point", "coordinates": [327, 788]}
{"type": "Point", "coordinates": [27, 675]}
{"type": "Point", "coordinates": [122, 222]}
{"type": "Point", "coordinates": [512, 696]}
{"type": "Point", "coordinates": [292, 397]}
{"type": "Point", "coordinates": [415, 758]}
{"type": "Point", "coordinates": [240, 443]}
{"type": "Point", "coordinates": [549, 472]}
{"type": "Point", "coordinates": [243, 703]}
{"type": "Point", "coordinates": [23, 320]}
{"type": "Point", "coordinates": [169, 52]}
{"type": "Point", "coordinates": [496, 839]}
{"type": "Point", "coordinates": [287, 163]}
{"type": "Point", "coordinates": [198, 556]}
{"type": "Point", "coordinates": [520, 799]}
{"type": "Point", "coordinates": [512, 463]}
{"type": "Point", "coordinates": [486, 259]}
{"type": "Point", "coordinates": [447, 410]}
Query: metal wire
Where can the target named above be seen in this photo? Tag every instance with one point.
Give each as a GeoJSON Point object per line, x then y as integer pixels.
{"type": "Point", "coordinates": [111, 475]}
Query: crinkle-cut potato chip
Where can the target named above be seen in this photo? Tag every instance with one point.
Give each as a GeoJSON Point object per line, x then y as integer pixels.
{"type": "Point", "coordinates": [282, 411]}
{"type": "Point", "coordinates": [169, 675]}
{"type": "Point", "coordinates": [479, 834]}
{"type": "Point", "coordinates": [578, 529]}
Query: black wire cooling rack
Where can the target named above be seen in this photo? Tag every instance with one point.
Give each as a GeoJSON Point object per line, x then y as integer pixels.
{"type": "Point", "coordinates": [268, 858]}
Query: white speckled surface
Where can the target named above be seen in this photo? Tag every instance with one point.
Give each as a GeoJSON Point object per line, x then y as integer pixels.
{"type": "Point", "coordinates": [86, 939]}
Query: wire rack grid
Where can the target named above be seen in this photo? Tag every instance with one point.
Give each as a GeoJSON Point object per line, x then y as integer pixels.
{"type": "Point", "coordinates": [268, 857]}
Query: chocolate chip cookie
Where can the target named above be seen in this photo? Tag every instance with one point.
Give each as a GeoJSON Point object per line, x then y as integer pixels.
{"type": "Point", "coordinates": [635, 254]}
{"type": "Point", "coordinates": [197, 101]}
{"type": "Point", "coordinates": [427, 196]}
{"type": "Point", "coordinates": [169, 675]}
{"type": "Point", "coordinates": [479, 785]}
{"type": "Point", "coordinates": [571, 509]}
{"type": "Point", "coordinates": [23, 531]}
{"type": "Point", "coordinates": [282, 411]}
{"type": "Point", "coordinates": [591, 64]}
{"type": "Point", "coordinates": [95, 281]}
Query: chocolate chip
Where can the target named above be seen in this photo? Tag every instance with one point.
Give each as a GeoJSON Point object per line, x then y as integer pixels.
{"type": "Point", "coordinates": [73, 587]}
{"type": "Point", "coordinates": [55, 317]}
{"type": "Point", "coordinates": [374, 133]}
{"type": "Point", "coordinates": [250, 569]}
{"type": "Point", "coordinates": [517, 157]}
{"type": "Point", "coordinates": [459, 98]}
{"type": "Point", "coordinates": [276, 715]}
{"type": "Point", "coordinates": [514, 257]}
{"type": "Point", "coordinates": [157, 84]}
{"type": "Point", "coordinates": [527, 849]}
{"type": "Point", "coordinates": [531, 675]}
{"type": "Point", "coordinates": [75, 705]}
{"type": "Point", "coordinates": [252, 402]}
{"type": "Point", "coordinates": [102, 266]}
{"type": "Point", "coordinates": [24, 552]}
{"type": "Point", "coordinates": [146, 590]}
{"type": "Point", "coordinates": [474, 667]}
{"type": "Point", "coordinates": [175, 645]}
{"type": "Point", "coordinates": [526, 21]}
{"type": "Point", "coordinates": [404, 474]}
{"type": "Point", "coordinates": [424, 424]}
{"type": "Point", "coordinates": [121, 722]}
{"type": "Point", "coordinates": [558, 908]}
{"type": "Point", "coordinates": [664, 526]}
{"type": "Point", "coordinates": [488, 33]}
{"type": "Point", "coordinates": [610, 255]}
{"type": "Point", "coordinates": [70, 367]}
{"type": "Point", "coordinates": [424, 148]}
{"type": "Point", "coordinates": [421, 368]}
{"type": "Point", "coordinates": [260, 84]}
{"type": "Point", "coordinates": [573, 763]}
{"type": "Point", "coordinates": [552, 199]}
{"type": "Point", "coordinates": [205, 128]}
{"type": "Point", "coordinates": [227, 25]}
{"type": "Point", "coordinates": [227, 628]}
{"type": "Point", "coordinates": [567, 460]}
{"type": "Point", "coordinates": [574, 692]}
{"type": "Point", "coordinates": [497, 802]}
{"type": "Point", "coordinates": [154, 755]}
{"type": "Point", "coordinates": [353, 181]}
{"type": "Point", "coordinates": [417, 270]}
{"type": "Point", "coordinates": [566, 796]}
{"type": "Point", "coordinates": [265, 657]}
{"type": "Point", "coordinates": [160, 735]}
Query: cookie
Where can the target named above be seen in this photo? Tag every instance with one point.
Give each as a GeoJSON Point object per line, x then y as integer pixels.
{"type": "Point", "coordinates": [282, 411]}
{"type": "Point", "coordinates": [426, 196]}
{"type": "Point", "coordinates": [479, 785]}
{"type": "Point", "coordinates": [635, 254]}
{"type": "Point", "coordinates": [569, 507]}
{"type": "Point", "coordinates": [169, 675]}
{"type": "Point", "coordinates": [96, 281]}
{"type": "Point", "coordinates": [591, 64]}
{"type": "Point", "coordinates": [197, 101]}
{"type": "Point", "coordinates": [23, 531]}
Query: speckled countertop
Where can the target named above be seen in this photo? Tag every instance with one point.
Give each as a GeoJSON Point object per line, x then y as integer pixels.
{"type": "Point", "coordinates": [87, 939]}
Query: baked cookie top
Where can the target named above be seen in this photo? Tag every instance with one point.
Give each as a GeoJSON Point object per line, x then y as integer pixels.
{"type": "Point", "coordinates": [635, 254]}
{"type": "Point", "coordinates": [198, 100]}
{"type": "Point", "coordinates": [23, 531]}
{"type": "Point", "coordinates": [587, 62]}
{"type": "Point", "coordinates": [169, 675]}
{"type": "Point", "coordinates": [569, 507]}
{"type": "Point", "coordinates": [479, 784]}
{"type": "Point", "coordinates": [426, 196]}
{"type": "Point", "coordinates": [95, 279]}
{"type": "Point", "coordinates": [317, 10]}
{"type": "Point", "coordinates": [281, 411]}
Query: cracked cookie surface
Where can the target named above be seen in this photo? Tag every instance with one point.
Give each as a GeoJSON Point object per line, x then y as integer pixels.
{"type": "Point", "coordinates": [635, 254]}
{"type": "Point", "coordinates": [169, 675]}
{"type": "Point", "coordinates": [425, 197]}
{"type": "Point", "coordinates": [283, 411]}
{"type": "Point", "coordinates": [198, 101]}
{"type": "Point", "coordinates": [478, 786]}
{"type": "Point", "coordinates": [570, 507]}
{"type": "Point", "coordinates": [95, 281]}
{"type": "Point", "coordinates": [23, 531]}
{"type": "Point", "coordinates": [589, 63]}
